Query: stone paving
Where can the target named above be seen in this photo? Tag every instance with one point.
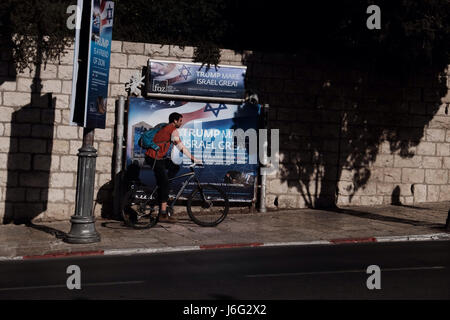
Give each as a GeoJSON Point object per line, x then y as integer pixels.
{"type": "Point", "coordinates": [272, 227]}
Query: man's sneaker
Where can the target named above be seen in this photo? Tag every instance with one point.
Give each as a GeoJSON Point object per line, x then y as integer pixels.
{"type": "Point", "coordinates": [166, 218]}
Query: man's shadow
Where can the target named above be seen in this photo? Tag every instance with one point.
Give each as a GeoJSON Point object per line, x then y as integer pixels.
{"type": "Point", "coordinates": [30, 155]}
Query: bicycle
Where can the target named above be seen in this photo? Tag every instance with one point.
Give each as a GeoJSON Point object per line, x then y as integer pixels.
{"type": "Point", "coordinates": [207, 205]}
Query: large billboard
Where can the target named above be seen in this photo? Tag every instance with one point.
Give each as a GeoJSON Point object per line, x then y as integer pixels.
{"type": "Point", "coordinates": [208, 131]}
{"type": "Point", "coordinates": [195, 79]}
{"type": "Point", "coordinates": [91, 76]}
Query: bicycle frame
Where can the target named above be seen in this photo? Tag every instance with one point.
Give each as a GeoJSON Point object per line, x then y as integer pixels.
{"type": "Point", "coordinates": [190, 175]}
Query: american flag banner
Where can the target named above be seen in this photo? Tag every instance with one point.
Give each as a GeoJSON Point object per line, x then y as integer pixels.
{"type": "Point", "coordinates": [207, 132]}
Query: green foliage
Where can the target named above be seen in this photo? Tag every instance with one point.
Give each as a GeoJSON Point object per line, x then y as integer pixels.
{"type": "Point", "coordinates": [412, 31]}
{"type": "Point", "coordinates": [36, 30]}
{"type": "Point", "coordinates": [198, 23]}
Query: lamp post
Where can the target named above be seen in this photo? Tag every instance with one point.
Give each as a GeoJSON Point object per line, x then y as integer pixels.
{"type": "Point", "coordinates": [83, 221]}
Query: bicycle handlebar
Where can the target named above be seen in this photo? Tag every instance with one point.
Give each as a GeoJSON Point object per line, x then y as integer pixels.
{"type": "Point", "coordinates": [194, 164]}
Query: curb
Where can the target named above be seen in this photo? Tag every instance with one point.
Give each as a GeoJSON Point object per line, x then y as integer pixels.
{"type": "Point", "coordinates": [128, 252]}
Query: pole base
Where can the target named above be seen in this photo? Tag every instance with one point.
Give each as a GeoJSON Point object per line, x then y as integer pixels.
{"type": "Point", "coordinates": [82, 231]}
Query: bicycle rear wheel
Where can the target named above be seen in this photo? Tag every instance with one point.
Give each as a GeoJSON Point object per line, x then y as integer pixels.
{"type": "Point", "coordinates": [136, 212]}
{"type": "Point", "coordinates": [208, 205]}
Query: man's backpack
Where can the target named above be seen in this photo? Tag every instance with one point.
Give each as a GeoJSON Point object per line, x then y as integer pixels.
{"type": "Point", "coordinates": [146, 139]}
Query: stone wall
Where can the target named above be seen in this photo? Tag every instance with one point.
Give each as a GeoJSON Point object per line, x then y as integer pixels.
{"type": "Point", "coordinates": [354, 134]}
{"type": "Point", "coordinates": [39, 147]}
{"type": "Point", "coordinates": [348, 135]}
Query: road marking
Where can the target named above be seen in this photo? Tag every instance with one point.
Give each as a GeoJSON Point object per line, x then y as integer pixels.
{"type": "Point", "coordinates": [83, 285]}
{"type": "Point", "coordinates": [340, 271]}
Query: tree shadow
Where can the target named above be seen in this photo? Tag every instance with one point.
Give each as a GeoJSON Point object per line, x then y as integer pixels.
{"type": "Point", "coordinates": [336, 114]}
{"type": "Point", "coordinates": [380, 217]}
{"type": "Point", "coordinates": [29, 157]}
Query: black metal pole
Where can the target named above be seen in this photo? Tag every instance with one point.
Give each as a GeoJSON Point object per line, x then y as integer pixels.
{"type": "Point", "coordinates": [83, 221]}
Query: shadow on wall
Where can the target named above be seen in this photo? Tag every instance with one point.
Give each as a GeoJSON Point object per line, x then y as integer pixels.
{"type": "Point", "coordinates": [335, 114]}
{"type": "Point", "coordinates": [29, 157]}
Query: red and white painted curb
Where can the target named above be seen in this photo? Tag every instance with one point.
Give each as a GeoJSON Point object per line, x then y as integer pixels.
{"type": "Point", "coordinates": [125, 252]}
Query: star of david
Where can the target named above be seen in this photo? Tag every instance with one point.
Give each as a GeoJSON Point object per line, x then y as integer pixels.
{"type": "Point", "coordinates": [184, 72]}
{"type": "Point", "coordinates": [215, 111]}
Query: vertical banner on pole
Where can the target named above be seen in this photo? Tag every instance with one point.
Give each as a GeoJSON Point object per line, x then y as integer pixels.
{"type": "Point", "coordinates": [91, 64]}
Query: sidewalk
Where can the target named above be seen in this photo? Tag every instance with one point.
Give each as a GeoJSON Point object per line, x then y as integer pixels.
{"type": "Point", "coordinates": [282, 227]}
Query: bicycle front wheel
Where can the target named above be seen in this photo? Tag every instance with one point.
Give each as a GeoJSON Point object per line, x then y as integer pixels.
{"type": "Point", "coordinates": [208, 205]}
{"type": "Point", "coordinates": [138, 213]}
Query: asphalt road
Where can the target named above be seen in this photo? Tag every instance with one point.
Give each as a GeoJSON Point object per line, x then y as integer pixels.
{"type": "Point", "coordinates": [409, 270]}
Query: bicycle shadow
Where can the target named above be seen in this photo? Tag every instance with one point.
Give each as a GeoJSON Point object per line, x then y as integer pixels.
{"type": "Point", "coordinates": [52, 231]}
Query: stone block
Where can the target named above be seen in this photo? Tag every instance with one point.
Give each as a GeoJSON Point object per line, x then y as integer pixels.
{"type": "Point", "coordinates": [384, 160]}
{"type": "Point", "coordinates": [60, 147]}
{"type": "Point", "coordinates": [55, 195]}
{"type": "Point", "coordinates": [24, 85]}
{"type": "Point", "coordinates": [118, 60]}
{"type": "Point", "coordinates": [179, 52]}
{"type": "Point", "coordinates": [70, 195]}
{"type": "Point", "coordinates": [116, 46]}
{"type": "Point", "coordinates": [426, 149]}
{"type": "Point", "coordinates": [114, 75]}
{"type": "Point", "coordinates": [156, 50]}
{"type": "Point", "coordinates": [104, 135]}
{"type": "Point", "coordinates": [435, 135]}
{"type": "Point", "coordinates": [65, 72]}
{"type": "Point", "coordinates": [16, 99]}
{"type": "Point", "coordinates": [444, 193]}
{"type": "Point", "coordinates": [137, 61]}
{"type": "Point", "coordinates": [420, 193]}
{"type": "Point", "coordinates": [371, 200]}
{"type": "Point", "coordinates": [413, 162]}
{"type": "Point", "coordinates": [413, 175]}
{"type": "Point", "coordinates": [66, 87]}
{"type": "Point", "coordinates": [277, 186]}
{"type": "Point", "coordinates": [61, 180]}
{"type": "Point", "coordinates": [435, 176]}
{"type": "Point", "coordinates": [385, 189]}
{"type": "Point", "coordinates": [433, 193]}
{"type": "Point", "coordinates": [51, 86]}
{"type": "Point", "coordinates": [41, 131]}
{"type": "Point", "coordinates": [443, 149]}
{"type": "Point", "coordinates": [67, 58]}
{"type": "Point", "coordinates": [49, 71]}
{"type": "Point", "coordinates": [67, 132]}
{"type": "Point", "coordinates": [28, 115]}
{"type": "Point", "coordinates": [126, 74]}
{"type": "Point", "coordinates": [103, 164]}
{"type": "Point", "coordinates": [57, 212]}
{"type": "Point", "coordinates": [446, 163]}
{"type": "Point", "coordinates": [33, 145]}
{"type": "Point", "coordinates": [34, 179]}
{"type": "Point", "coordinates": [132, 47]}
{"type": "Point", "coordinates": [432, 162]}
{"type": "Point", "coordinates": [118, 90]}
{"type": "Point", "coordinates": [6, 85]}
{"type": "Point", "coordinates": [6, 114]}
{"type": "Point", "coordinates": [69, 163]}
{"type": "Point", "coordinates": [105, 149]}
{"type": "Point", "coordinates": [45, 162]}
{"type": "Point", "coordinates": [287, 201]}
